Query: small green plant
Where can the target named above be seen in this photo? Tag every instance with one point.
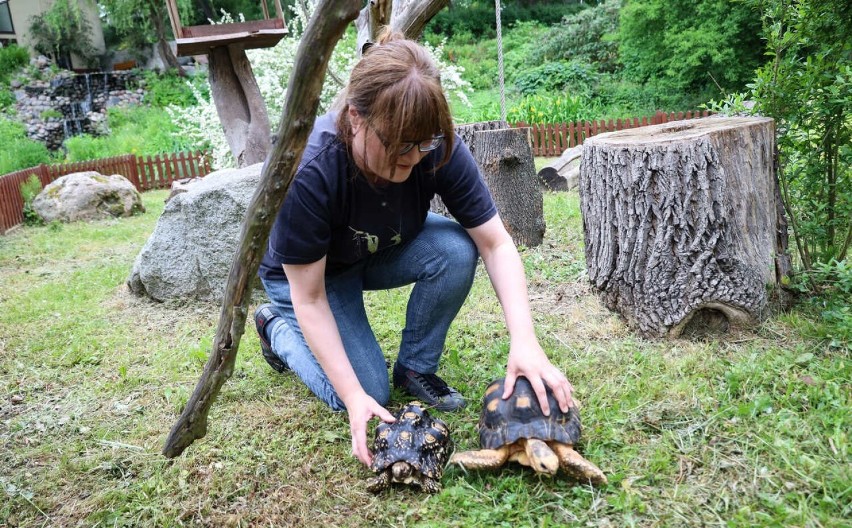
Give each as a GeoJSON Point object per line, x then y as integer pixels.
{"type": "Point", "coordinates": [51, 113]}
{"type": "Point", "coordinates": [546, 108]}
{"type": "Point", "coordinates": [29, 190]}
{"type": "Point", "coordinates": [12, 59]}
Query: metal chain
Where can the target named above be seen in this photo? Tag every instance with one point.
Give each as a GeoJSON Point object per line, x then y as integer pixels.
{"type": "Point", "coordinates": [500, 62]}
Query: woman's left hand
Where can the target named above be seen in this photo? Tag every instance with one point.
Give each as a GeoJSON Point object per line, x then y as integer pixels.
{"type": "Point", "coordinates": [530, 361]}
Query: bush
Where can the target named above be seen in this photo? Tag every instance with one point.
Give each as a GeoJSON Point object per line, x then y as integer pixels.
{"type": "Point", "coordinates": [557, 77]}
{"type": "Point", "coordinates": [164, 89]}
{"type": "Point", "coordinates": [12, 59]}
{"type": "Point", "coordinates": [135, 130]}
{"type": "Point", "coordinates": [18, 151]}
{"type": "Point", "coordinates": [29, 190]}
{"type": "Point", "coordinates": [546, 108]}
{"type": "Point", "coordinates": [478, 17]}
{"type": "Point", "coordinates": [7, 97]}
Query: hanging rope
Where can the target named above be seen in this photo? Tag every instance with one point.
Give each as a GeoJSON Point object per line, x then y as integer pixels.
{"type": "Point", "coordinates": [500, 62]}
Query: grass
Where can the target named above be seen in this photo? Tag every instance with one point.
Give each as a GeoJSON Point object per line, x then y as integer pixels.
{"type": "Point", "coordinates": [747, 430]}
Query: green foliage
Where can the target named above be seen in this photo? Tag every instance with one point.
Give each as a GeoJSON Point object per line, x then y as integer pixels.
{"type": "Point", "coordinates": [169, 88]}
{"type": "Point", "coordinates": [136, 130]}
{"type": "Point", "coordinates": [51, 113]}
{"type": "Point", "coordinates": [807, 87]}
{"type": "Point", "coordinates": [12, 59]}
{"type": "Point", "coordinates": [827, 288]}
{"type": "Point", "coordinates": [573, 76]}
{"type": "Point", "coordinates": [18, 151]}
{"type": "Point", "coordinates": [587, 36]}
{"type": "Point", "coordinates": [690, 44]}
{"type": "Point", "coordinates": [29, 190]}
{"type": "Point", "coordinates": [546, 108]}
{"type": "Point", "coordinates": [478, 18]}
{"type": "Point", "coordinates": [7, 97]}
{"type": "Point", "coordinates": [63, 28]}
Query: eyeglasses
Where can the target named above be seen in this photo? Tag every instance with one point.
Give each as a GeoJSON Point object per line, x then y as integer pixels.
{"type": "Point", "coordinates": [424, 145]}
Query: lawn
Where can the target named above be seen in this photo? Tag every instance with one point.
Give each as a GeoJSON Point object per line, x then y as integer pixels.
{"type": "Point", "coordinates": [750, 429]}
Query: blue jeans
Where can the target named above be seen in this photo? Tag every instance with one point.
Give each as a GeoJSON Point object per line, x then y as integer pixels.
{"type": "Point", "coordinates": [440, 262]}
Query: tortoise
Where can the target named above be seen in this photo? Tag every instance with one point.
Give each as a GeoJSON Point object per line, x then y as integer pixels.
{"type": "Point", "coordinates": [412, 450]}
{"type": "Point", "coordinates": [516, 430]}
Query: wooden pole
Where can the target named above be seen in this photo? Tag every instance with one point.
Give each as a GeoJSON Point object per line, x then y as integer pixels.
{"type": "Point", "coordinates": [324, 30]}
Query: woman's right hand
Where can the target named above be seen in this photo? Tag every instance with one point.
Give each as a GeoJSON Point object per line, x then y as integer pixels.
{"type": "Point", "coordinates": [362, 408]}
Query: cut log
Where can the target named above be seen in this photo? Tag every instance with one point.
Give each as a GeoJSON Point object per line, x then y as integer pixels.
{"type": "Point", "coordinates": [563, 173]}
{"type": "Point", "coordinates": [682, 224]}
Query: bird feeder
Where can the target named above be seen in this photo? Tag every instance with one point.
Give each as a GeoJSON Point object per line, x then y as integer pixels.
{"type": "Point", "coordinates": [199, 40]}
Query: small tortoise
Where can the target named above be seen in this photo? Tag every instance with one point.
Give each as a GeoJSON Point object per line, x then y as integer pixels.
{"type": "Point", "coordinates": [516, 430]}
{"type": "Point", "coordinates": [412, 450]}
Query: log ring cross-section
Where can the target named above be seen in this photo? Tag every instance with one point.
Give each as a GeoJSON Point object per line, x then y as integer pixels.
{"type": "Point", "coordinates": [680, 221]}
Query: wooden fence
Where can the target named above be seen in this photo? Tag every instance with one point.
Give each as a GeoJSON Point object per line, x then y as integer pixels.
{"type": "Point", "coordinates": [554, 139]}
{"type": "Point", "coordinates": [145, 172]}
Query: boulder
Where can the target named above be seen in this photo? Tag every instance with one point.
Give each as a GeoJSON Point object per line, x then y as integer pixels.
{"type": "Point", "coordinates": [88, 196]}
{"type": "Point", "coordinates": [189, 254]}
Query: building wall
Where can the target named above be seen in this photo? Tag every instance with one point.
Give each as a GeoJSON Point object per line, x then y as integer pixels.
{"type": "Point", "coordinates": [23, 10]}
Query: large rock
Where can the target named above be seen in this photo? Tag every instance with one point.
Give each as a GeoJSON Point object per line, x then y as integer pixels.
{"type": "Point", "coordinates": [88, 196]}
{"type": "Point", "coordinates": [189, 254]}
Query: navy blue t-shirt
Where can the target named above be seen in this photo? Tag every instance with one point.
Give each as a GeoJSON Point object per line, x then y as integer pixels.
{"type": "Point", "coordinates": [331, 210]}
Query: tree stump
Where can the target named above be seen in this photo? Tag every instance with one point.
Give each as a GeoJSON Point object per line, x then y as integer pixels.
{"type": "Point", "coordinates": [563, 173]}
{"type": "Point", "coordinates": [504, 157]}
{"type": "Point", "coordinates": [683, 224]}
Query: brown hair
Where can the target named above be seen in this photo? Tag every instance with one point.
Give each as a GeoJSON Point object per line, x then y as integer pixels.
{"type": "Point", "coordinates": [396, 89]}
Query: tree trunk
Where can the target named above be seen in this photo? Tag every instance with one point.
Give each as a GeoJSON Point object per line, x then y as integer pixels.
{"type": "Point", "coordinates": [506, 161]}
{"type": "Point", "coordinates": [406, 16]}
{"type": "Point", "coordinates": [563, 173]}
{"type": "Point", "coordinates": [504, 157]}
{"type": "Point", "coordinates": [239, 104]}
{"type": "Point", "coordinates": [682, 226]}
{"type": "Point", "coordinates": [169, 57]}
{"type": "Point", "coordinates": [324, 30]}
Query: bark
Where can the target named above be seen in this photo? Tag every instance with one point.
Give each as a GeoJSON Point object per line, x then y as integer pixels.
{"type": "Point", "coordinates": [324, 30]}
{"type": "Point", "coordinates": [505, 159]}
{"type": "Point", "coordinates": [506, 162]}
{"type": "Point", "coordinates": [239, 104]}
{"type": "Point", "coordinates": [683, 227]}
{"type": "Point", "coordinates": [169, 57]}
{"type": "Point", "coordinates": [406, 16]}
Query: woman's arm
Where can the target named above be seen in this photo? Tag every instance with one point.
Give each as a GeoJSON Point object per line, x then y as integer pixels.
{"type": "Point", "coordinates": [526, 357]}
{"type": "Point", "coordinates": [307, 290]}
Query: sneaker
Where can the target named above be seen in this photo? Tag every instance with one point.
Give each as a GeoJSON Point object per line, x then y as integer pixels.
{"type": "Point", "coordinates": [428, 388]}
{"type": "Point", "coordinates": [262, 316]}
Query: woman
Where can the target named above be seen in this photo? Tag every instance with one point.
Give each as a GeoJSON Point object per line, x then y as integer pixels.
{"type": "Point", "coordinates": [356, 218]}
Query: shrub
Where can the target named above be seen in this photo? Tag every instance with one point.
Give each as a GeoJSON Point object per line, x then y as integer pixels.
{"type": "Point", "coordinates": [18, 151]}
{"type": "Point", "coordinates": [164, 89]}
{"type": "Point", "coordinates": [7, 97]}
{"type": "Point", "coordinates": [29, 190]}
{"type": "Point", "coordinates": [478, 17]}
{"type": "Point", "coordinates": [546, 108]}
{"type": "Point", "coordinates": [557, 77]}
{"type": "Point", "coordinates": [12, 59]}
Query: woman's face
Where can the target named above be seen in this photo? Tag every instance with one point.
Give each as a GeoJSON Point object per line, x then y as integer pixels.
{"type": "Point", "coordinates": [372, 158]}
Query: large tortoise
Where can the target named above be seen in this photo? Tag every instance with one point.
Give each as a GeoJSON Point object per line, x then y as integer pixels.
{"type": "Point", "coordinates": [412, 450]}
{"type": "Point", "coordinates": [516, 430]}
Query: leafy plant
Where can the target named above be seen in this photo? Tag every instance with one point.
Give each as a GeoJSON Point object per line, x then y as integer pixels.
{"type": "Point", "coordinates": [545, 108]}
{"type": "Point", "coordinates": [807, 87]}
{"type": "Point", "coordinates": [169, 88]}
{"type": "Point", "coordinates": [573, 76]}
{"type": "Point", "coordinates": [29, 190]}
{"type": "Point", "coordinates": [18, 151]}
{"type": "Point", "coordinates": [63, 29]}
{"type": "Point", "coordinates": [12, 59]}
{"type": "Point", "coordinates": [51, 113]}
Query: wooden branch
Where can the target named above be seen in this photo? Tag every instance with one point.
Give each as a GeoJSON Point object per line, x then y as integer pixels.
{"type": "Point", "coordinates": [324, 30]}
{"type": "Point", "coordinates": [412, 16]}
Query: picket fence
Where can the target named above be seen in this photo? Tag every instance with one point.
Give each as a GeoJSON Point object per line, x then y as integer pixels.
{"type": "Point", "coordinates": [145, 172]}
{"type": "Point", "coordinates": [552, 139]}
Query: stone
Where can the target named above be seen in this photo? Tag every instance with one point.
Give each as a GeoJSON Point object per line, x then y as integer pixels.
{"type": "Point", "coordinates": [189, 254]}
{"type": "Point", "coordinates": [88, 196]}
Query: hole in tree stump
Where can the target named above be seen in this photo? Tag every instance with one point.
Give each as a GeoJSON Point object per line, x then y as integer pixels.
{"type": "Point", "coordinates": [706, 323]}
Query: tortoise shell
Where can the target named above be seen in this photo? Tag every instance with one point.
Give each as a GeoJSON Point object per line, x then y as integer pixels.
{"type": "Point", "coordinates": [417, 438]}
{"type": "Point", "coordinates": [504, 422]}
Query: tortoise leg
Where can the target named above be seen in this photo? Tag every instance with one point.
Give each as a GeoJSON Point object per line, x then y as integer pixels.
{"type": "Point", "coordinates": [482, 459]}
{"type": "Point", "coordinates": [578, 467]}
{"type": "Point", "coordinates": [541, 458]}
{"type": "Point", "coordinates": [379, 482]}
{"type": "Point", "coordinates": [429, 485]}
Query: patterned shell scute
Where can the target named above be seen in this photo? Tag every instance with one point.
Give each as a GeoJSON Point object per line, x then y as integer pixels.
{"type": "Point", "coordinates": [504, 422]}
{"type": "Point", "coordinates": [416, 438]}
